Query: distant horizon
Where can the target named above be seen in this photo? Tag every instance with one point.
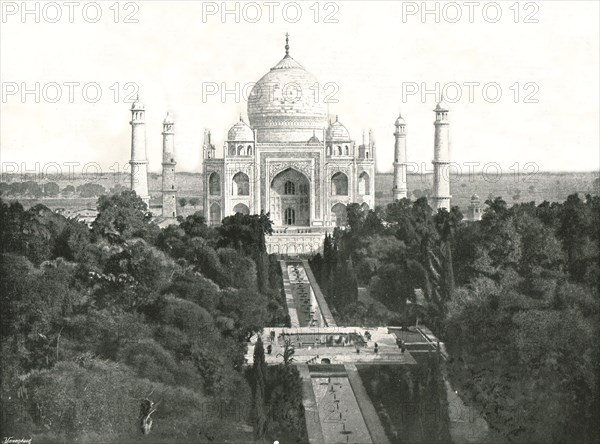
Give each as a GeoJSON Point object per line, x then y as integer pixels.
{"type": "Point", "coordinates": [159, 173]}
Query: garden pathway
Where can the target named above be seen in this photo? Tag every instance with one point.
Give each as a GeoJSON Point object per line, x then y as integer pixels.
{"type": "Point", "coordinates": [325, 355]}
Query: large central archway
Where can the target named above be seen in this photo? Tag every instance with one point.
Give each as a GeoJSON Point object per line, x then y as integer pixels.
{"type": "Point", "coordinates": [290, 199]}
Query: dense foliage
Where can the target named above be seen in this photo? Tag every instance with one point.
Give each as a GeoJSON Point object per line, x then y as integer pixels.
{"type": "Point", "coordinates": [94, 320]}
{"type": "Point", "coordinates": [277, 390]}
{"type": "Point", "coordinates": [522, 329]}
{"type": "Point", "coordinates": [394, 252]}
{"type": "Point", "coordinates": [410, 400]}
{"type": "Point", "coordinates": [514, 296]}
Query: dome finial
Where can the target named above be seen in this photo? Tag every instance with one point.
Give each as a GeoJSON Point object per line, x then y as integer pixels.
{"type": "Point", "coordinates": [287, 44]}
{"type": "Point", "coordinates": [441, 106]}
{"type": "Point", "coordinates": [336, 118]}
{"type": "Point", "coordinates": [168, 119]}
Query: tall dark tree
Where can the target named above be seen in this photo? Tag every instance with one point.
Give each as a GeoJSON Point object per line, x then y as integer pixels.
{"type": "Point", "coordinates": [259, 369]}
{"type": "Point", "coordinates": [195, 226]}
{"type": "Point", "coordinates": [24, 232]}
{"type": "Point", "coordinates": [446, 224]}
{"type": "Point", "coordinates": [356, 217]}
{"type": "Point", "coordinates": [123, 216]}
{"type": "Point", "coordinates": [247, 233]}
{"type": "Point", "coordinates": [575, 220]}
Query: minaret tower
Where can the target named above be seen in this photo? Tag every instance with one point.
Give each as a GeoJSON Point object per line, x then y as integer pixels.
{"type": "Point", "coordinates": [169, 192]}
{"type": "Point", "coordinates": [372, 143]}
{"type": "Point", "coordinates": [208, 148]}
{"type": "Point", "coordinates": [138, 162]}
{"type": "Point", "coordinates": [400, 190]}
{"type": "Point", "coordinates": [441, 158]}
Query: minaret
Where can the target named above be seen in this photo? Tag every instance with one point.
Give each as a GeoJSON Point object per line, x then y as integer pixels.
{"type": "Point", "coordinates": [400, 190]}
{"type": "Point", "coordinates": [209, 149]}
{"type": "Point", "coordinates": [372, 144]}
{"type": "Point", "coordinates": [138, 162]}
{"type": "Point", "coordinates": [366, 148]}
{"type": "Point", "coordinates": [441, 158]}
{"type": "Point", "coordinates": [169, 192]}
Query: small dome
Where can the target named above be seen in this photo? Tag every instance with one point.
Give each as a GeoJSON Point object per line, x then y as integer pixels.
{"type": "Point", "coordinates": [400, 120]}
{"type": "Point", "coordinates": [137, 105]}
{"type": "Point", "coordinates": [314, 139]}
{"type": "Point", "coordinates": [240, 132]}
{"type": "Point", "coordinates": [169, 119]}
{"type": "Point", "coordinates": [441, 106]}
{"type": "Point", "coordinates": [337, 132]}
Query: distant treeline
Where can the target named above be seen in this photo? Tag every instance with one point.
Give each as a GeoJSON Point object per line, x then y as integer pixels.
{"type": "Point", "coordinates": [516, 188]}
{"type": "Point", "coordinates": [31, 189]}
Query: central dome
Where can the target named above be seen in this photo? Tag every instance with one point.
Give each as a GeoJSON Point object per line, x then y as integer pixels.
{"type": "Point", "coordinates": [287, 97]}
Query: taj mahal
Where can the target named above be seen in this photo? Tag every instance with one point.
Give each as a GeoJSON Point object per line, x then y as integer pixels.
{"type": "Point", "coordinates": [289, 159]}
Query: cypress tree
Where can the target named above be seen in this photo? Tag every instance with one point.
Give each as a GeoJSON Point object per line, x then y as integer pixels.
{"type": "Point", "coordinates": [258, 370]}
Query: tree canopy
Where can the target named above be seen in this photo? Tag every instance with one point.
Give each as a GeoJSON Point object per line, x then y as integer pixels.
{"type": "Point", "coordinates": [514, 296]}
{"type": "Point", "coordinates": [128, 307]}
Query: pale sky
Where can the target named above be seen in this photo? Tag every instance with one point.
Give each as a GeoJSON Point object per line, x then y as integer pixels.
{"type": "Point", "coordinates": [376, 50]}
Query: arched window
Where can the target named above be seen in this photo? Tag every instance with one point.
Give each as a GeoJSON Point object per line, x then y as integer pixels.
{"type": "Point", "coordinates": [232, 150]}
{"type": "Point", "coordinates": [249, 150]}
{"type": "Point", "coordinates": [241, 208]}
{"type": "Point", "coordinates": [214, 184]}
{"type": "Point", "coordinates": [241, 185]}
{"type": "Point", "coordinates": [347, 150]}
{"type": "Point", "coordinates": [339, 150]}
{"type": "Point", "coordinates": [290, 188]}
{"type": "Point", "coordinates": [339, 184]}
{"type": "Point", "coordinates": [340, 214]}
{"type": "Point", "coordinates": [240, 150]}
{"type": "Point", "coordinates": [290, 216]}
{"type": "Point", "coordinates": [215, 213]}
{"type": "Point", "coordinates": [364, 184]}
{"type": "Point", "coordinates": [329, 151]}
